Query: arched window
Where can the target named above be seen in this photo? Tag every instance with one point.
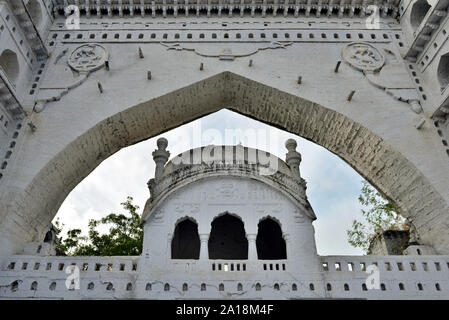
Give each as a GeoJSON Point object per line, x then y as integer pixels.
{"type": "Point", "coordinates": [443, 70]}
{"type": "Point", "coordinates": [269, 242]}
{"type": "Point", "coordinates": [186, 241]}
{"type": "Point", "coordinates": [227, 239]}
{"type": "Point", "coordinates": [34, 9]}
{"type": "Point", "coordinates": [419, 11]}
{"type": "Point", "coordinates": [10, 65]}
{"type": "Point", "coordinates": [15, 285]}
{"type": "Point", "coordinates": [48, 237]}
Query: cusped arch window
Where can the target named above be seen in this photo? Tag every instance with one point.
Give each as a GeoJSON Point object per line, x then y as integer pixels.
{"type": "Point", "coordinates": [10, 65]}
{"type": "Point", "coordinates": [228, 239]}
{"type": "Point", "coordinates": [186, 241]}
{"type": "Point", "coordinates": [443, 70]}
{"type": "Point", "coordinates": [270, 243]}
{"type": "Point", "coordinates": [35, 10]}
{"type": "Point", "coordinates": [418, 12]}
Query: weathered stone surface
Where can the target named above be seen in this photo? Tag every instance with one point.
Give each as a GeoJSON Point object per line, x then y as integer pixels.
{"type": "Point", "coordinates": [390, 242]}
{"type": "Point", "coordinates": [79, 127]}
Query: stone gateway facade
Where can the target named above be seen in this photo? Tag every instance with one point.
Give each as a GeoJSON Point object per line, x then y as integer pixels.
{"type": "Point", "coordinates": [81, 79]}
{"type": "Point", "coordinates": [219, 224]}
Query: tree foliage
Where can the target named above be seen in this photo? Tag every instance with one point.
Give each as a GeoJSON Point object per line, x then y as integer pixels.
{"type": "Point", "coordinates": [378, 214]}
{"type": "Point", "coordinates": [125, 236]}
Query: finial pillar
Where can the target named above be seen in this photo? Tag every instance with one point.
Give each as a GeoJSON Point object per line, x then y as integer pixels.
{"type": "Point", "coordinates": [293, 158]}
{"type": "Point", "coordinates": [160, 156]}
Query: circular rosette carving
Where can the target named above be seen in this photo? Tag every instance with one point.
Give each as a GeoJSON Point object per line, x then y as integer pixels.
{"type": "Point", "coordinates": [363, 56]}
{"type": "Point", "coordinates": [88, 57]}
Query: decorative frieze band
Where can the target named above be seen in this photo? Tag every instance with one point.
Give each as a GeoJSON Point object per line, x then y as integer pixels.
{"type": "Point", "coordinates": [228, 8]}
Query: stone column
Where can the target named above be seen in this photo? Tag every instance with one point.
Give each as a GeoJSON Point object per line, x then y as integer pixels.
{"type": "Point", "coordinates": [288, 246]}
{"type": "Point", "coordinates": [204, 253]}
{"type": "Point", "coordinates": [252, 249]}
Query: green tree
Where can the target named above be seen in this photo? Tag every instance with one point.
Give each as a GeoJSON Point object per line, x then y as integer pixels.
{"type": "Point", "coordinates": [125, 236]}
{"type": "Point", "coordinates": [378, 214]}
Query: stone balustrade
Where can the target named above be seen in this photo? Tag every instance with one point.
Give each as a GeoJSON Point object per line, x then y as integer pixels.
{"type": "Point", "coordinates": [400, 277]}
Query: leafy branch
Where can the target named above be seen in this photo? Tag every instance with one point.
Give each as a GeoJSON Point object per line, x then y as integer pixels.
{"type": "Point", "coordinates": [378, 215]}
{"type": "Point", "coordinates": [125, 236]}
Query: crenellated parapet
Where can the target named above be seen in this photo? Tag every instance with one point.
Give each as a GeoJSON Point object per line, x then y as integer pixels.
{"type": "Point", "coordinates": [228, 8]}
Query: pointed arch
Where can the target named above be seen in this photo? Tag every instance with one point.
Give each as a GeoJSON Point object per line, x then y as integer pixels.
{"type": "Point", "coordinates": [186, 240]}
{"type": "Point", "coordinates": [34, 8]}
{"type": "Point", "coordinates": [418, 12]}
{"type": "Point", "coordinates": [10, 65]}
{"type": "Point", "coordinates": [270, 243]}
{"type": "Point", "coordinates": [32, 205]}
{"type": "Point", "coordinates": [227, 238]}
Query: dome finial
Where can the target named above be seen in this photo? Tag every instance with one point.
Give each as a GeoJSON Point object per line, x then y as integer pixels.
{"type": "Point", "coordinates": [293, 158]}
{"type": "Point", "coordinates": [160, 156]}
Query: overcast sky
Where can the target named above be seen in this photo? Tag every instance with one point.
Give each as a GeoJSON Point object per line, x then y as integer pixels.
{"type": "Point", "coordinates": [332, 185]}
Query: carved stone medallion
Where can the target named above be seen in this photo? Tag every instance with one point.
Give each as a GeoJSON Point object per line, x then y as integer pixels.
{"type": "Point", "coordinates": [363, 56]}
{"type": "Point", "coordinates": [88, 58]}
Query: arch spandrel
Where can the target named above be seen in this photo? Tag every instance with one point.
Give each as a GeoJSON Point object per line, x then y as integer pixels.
{"type": "Point", "coordinates": [40, 194]}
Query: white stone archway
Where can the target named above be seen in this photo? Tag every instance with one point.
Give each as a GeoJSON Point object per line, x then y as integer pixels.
{"type": "Point", "coordinates": [31, 207]}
